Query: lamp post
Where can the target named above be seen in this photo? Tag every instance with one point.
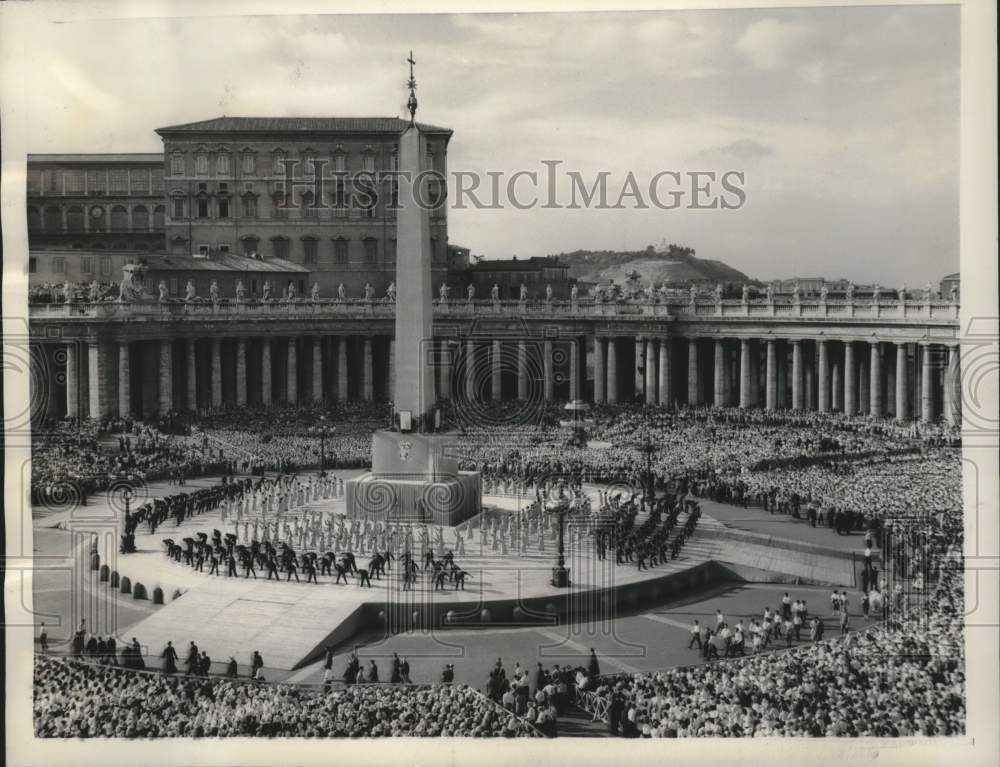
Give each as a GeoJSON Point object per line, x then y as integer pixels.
{"type": "Point", "coordinates": [559, 504]}
{"type": "Point", "coordinates": [321, 430]}
{"type": "Point", "coordinates": [648, 448]}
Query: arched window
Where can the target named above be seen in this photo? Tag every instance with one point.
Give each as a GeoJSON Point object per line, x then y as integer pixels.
{"type": "Point", "coordinates": [74, 218]}
{"type": "Point", "coordinates": [159, 214]}
{"type": "Point", "coordinates": [98, 221]}
{"type": "Point", "coordinates": [34, 219]}
{"type": "Point", "coordinates": [140, 218]}
{"type": "Point", "coordinates": [119, 218]}
{"type": "Point", "coordinates": [280, 247]}
{"type": "Point", "coordinates": [53, 219]}
{"type": "Point", "coordinates": [309, 209]}
{"type": "Point", "coordinates": [250, 244]}
{"type": "Point", "coordinates": [309, 250]}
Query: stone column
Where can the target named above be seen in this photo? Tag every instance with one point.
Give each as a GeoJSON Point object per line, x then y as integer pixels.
{"type": "Point", "coordinates": [292, 372]}
{"type": "Point", "coordinates": [470, 370]}
{"type": "Point", "coordinates": [600, 372]}
{"type": "Point", "coordinates": [836, 388]}
{"type": "Point", "coordinates": [265, 371]}
{"type": "Point", "coordinates": [665, 393]}
{"type": "Point", "coordinates": [953, 388]}
{"type": "Point", "coordinates": [651, 371]}
{"type": "Point", "coordinates": [807, 384]}
{"type": "Point", "coordinates": [783, 373]}
{"type": "Point", "coordinates": [72, 380]}
{"type": "Point", "coordinates": [241, 372]}
{"type": "Point", "coordinates": [902, 389]}
{"type": "Point", "coordinates": [755, 398]}
{"type": "Point", "coordinates": [772, 375]}
{"type": "Point", "coordinates": [612, 370]}
{"type": "Point", "coordinates": [166, 377]}
{"type": "Point", "coordinates": [745, 373]}
{"type": "Point", "coordinates": [342, 368]}
{"type": "Point", "coordinates": [694, 382]}
{"type": "Point", "coordinates": [124, 378]}
{"type": "Point", "coordinates": [392, 367]}
{"type": "Point", "coordinates": [574, 368]}
{"type": "Point", "coordinates": [316, 393]}
{"type": "Point", "coordinates": [864, 385]}
{"type": "Point", "coordinates": [719, 374]}
{"type": "Point", "coordinates": [926, 385]}
{"type": "Point", "coordinates": [95, 381]}
{"type": "Point", "coordinates": [639, 379]}
{"type": "Point", "coordinates": [522, 370]}
{"type": "Point", "coordinates": [823, 377]}
{"type": "Point", "coordinates": [366, 371]}
{"type": "Point", "coordinates": [191, 374]}
{"type": "Point", "coordinates": [850, 380]}
{"type": "Point", "coordinates": [875, 379]}
{"type": "Point", "coordinates": [216, 372]}
{"type": "Point", "coordinates": [496, 372]}
{"type": "Point", "coordinates": [797, 398]}
{"type": "Point", "coordinates": [549, 381]}
{"type": "Point", "coordinates": [445, 370]}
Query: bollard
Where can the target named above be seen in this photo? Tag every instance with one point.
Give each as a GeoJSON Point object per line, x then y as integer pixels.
{"type": "Point", "coordinates": [126, 587]}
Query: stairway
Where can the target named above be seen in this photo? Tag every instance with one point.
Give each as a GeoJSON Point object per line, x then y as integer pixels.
{"type": "Point", "coordinates": [576, 723]}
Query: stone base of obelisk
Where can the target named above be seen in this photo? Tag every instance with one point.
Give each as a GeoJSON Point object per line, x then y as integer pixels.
{"type": "Point", "coordinates": [413, 479]}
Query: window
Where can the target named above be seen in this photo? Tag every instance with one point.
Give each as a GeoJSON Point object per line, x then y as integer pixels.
{"type": "Point", "coordinates": [34, 219]}
{"type": "Point", "coordinates": [339, 162]}
{"type": "Point", "coordinates": [280, 245]}
{"type": "Point", "coordinates": [203, 249]}
{"type": "Point", "coordinates": [177, 164]}
{"type": "Point", "coordinates": [177, 207]}
{"type": "Point", "coordinates": [202, 186]}
{"type": "Point", "coordinates": [118, 180]}
{"type": "Point", "coordinates": [308, 163]}
{"type": "Point", "coordinates": [32, 265]}
{"type": "Point", "coordinates": [174, 286]}
{"type": "Point", "coordinates": [278, 161]}
{"type": "Point", "coordinates": [309, 251]}
{"type": "Point", "coordinates": [119, 219]}
{"type": "Point", "coordinates": [250, 206]}
{"type": "Point", "coordinates": [59, 265]}
{"type": "Point", "coordinates": [157, 182]}
{"type": "Point", "coordinates": [105, 266]}
{"type": "Point", "coordinates": [250, 245]}
{"type": "Point", "coordinates": [340, 251]}
{"type": "Point", "coordinates": [223, 247]}
{"type": "Point", "coordinates": [249, 163]}
{"type": "Point", "coordinates": [96, 181]}
{"type": "Point", "coordinates": [309, 209]}
{"type": "Point", "coordinates": [369, 162]}
{"type": "Point", "coordinates": [279, 204]}
{"type": "Point", "coordinates": [224, 187]}
{"type": "Point", "coordinates": [223, 208]}
{"type": "Point", "coordinates": [371, 250]}
{"type": "Point", "coordinates": [158, 215]}
{"type": "Point", "coordinates": [201, 164]}
{"type": "Point", "coordinates": [74, 219]}
{"type": "Point", "coordinates": [340, 198]}
{"type": "Point", "coordinates": [202, 208]}
{"type": "Point", "coordinates": [50, 182]}
{"type": "Point", "coordinates": [74, 182]}
{"type": "Point", "coordinates": [34, 182]}
{"type": "Point", "coordinates": [222, 164]}
{"type": "Point", "coordinates": [140, 218]}
{"type": "Point", "coordinates": [140, 181]}
{"type": "Point", "coordinates": [98, 221]}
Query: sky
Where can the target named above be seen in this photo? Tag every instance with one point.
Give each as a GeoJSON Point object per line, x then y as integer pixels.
{"type": "Point", "coordinates": [843, 121]}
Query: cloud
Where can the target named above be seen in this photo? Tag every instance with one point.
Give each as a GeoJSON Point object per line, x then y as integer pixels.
{"type": "Point", "coordinates": [770, 43]}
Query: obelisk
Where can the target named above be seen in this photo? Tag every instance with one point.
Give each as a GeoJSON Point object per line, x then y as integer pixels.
{"type": "Point", "coordinates": [414, 390]}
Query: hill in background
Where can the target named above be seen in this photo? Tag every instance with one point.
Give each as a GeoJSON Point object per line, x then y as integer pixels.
{"type": "Point", "coordinates": [668, 263]}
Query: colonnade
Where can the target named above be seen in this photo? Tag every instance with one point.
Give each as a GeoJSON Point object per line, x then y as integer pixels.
{"type": "Point", "coordinates": [900, 379]}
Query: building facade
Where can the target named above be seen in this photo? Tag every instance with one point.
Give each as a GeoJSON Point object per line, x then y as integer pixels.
{"type": "Point", "coordinates": [313, 191]}
{"type": "Point", "coordinates": [103, 202]}
{"type": "Point", "coordinates": [508, 274]}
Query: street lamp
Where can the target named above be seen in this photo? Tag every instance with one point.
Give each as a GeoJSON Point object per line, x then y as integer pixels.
{"type": "Point", "coordinates": [321, 430]}
{"type": "Point", "coordinates": [559, 504]}
{"type": "Point", "coordinates": [648, 448]}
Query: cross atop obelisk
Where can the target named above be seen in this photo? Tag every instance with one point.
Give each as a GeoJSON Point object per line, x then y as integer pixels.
{"type": "Point", "coordinates": [411, 103]}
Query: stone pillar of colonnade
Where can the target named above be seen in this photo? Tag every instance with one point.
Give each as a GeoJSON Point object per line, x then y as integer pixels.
{"type": "Point", "coordinates": [191, 375]}
{"type": "Point", "coordinates": [756, 371]}
{"type": "Point", "coordinates": [926, 384]}
{"type": "Point", "coordinates": [798, 402]}
{"type": "Point", "coordinates": [496, 371]}
{"type": "Point", "coordinates": [864, 383]}
{"type": "Point", "coordinates": [522, 370]}
{"type": "Point", "coordinates": [836, 387]}
{"type": "Point", "coordinates": [902, 387]}
{"type": "Point", "coordinates": [470, 370]}
{"type": "Point", "coordinates": [72, 380]}
{"type": "Point", "coordinates": [342, 371]}
{"type": "Point", "coordinates": [665, 386]}
{"type": "Point", "coordinates": [694, 377]}
{"type": "Point", "coordinates": [600, 371]}
{"type": "Point", "coordinates": [638, 365]}
{"type": "Point", "coordinates": [953, 387]}
{"type": "Point", "coordinates": [876, 406]}
{"type": "Point", "coordinates": [823, 376]}
{"type": "Point", "coordinates": [367, 391]}
{"type": "Point", "coordinates": [292, 372]}
{"type": "Point", "coordinates": [808, 383]}
{"type": "Point", "coordinates": [850, 380]}
{"type": "Point", "coordinates": [216, 373]}
{"type": "Point", "coordinates": [165, 380]}
{"type": "Point", "coordinates": [728, 369]}
{"type": "Point", "coordinates": [241, 372]}
{"type": "Point", "coordinates": [719, 374]}
{"type": "Point", "coordinates": [574, 368]}
{"type": "Point", "coordinates": [651, 371]}
{"type": "Point", "coordinates": [783, 373]}
{"type": "Point", "coordinates": [392, 370]}
{"type": "Point", "coordinates": [444, 385]}
{"type": "Point", "coordinates": [266, 393]}
{"type": "Point", "coordinates": [316, 371]}
{"type": "Point", "coordinates": [772, 375]}
{"type": "Point", "coordinates": [612, 370]}
{"type": "Point", "coordinates": [98, 391]}
{"type": "Point", "coordinates": [745, 372]}
{"type": "Point", "coordinates": [124, 378]}
{"type": "Point", "coordinates": [548, 379]}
